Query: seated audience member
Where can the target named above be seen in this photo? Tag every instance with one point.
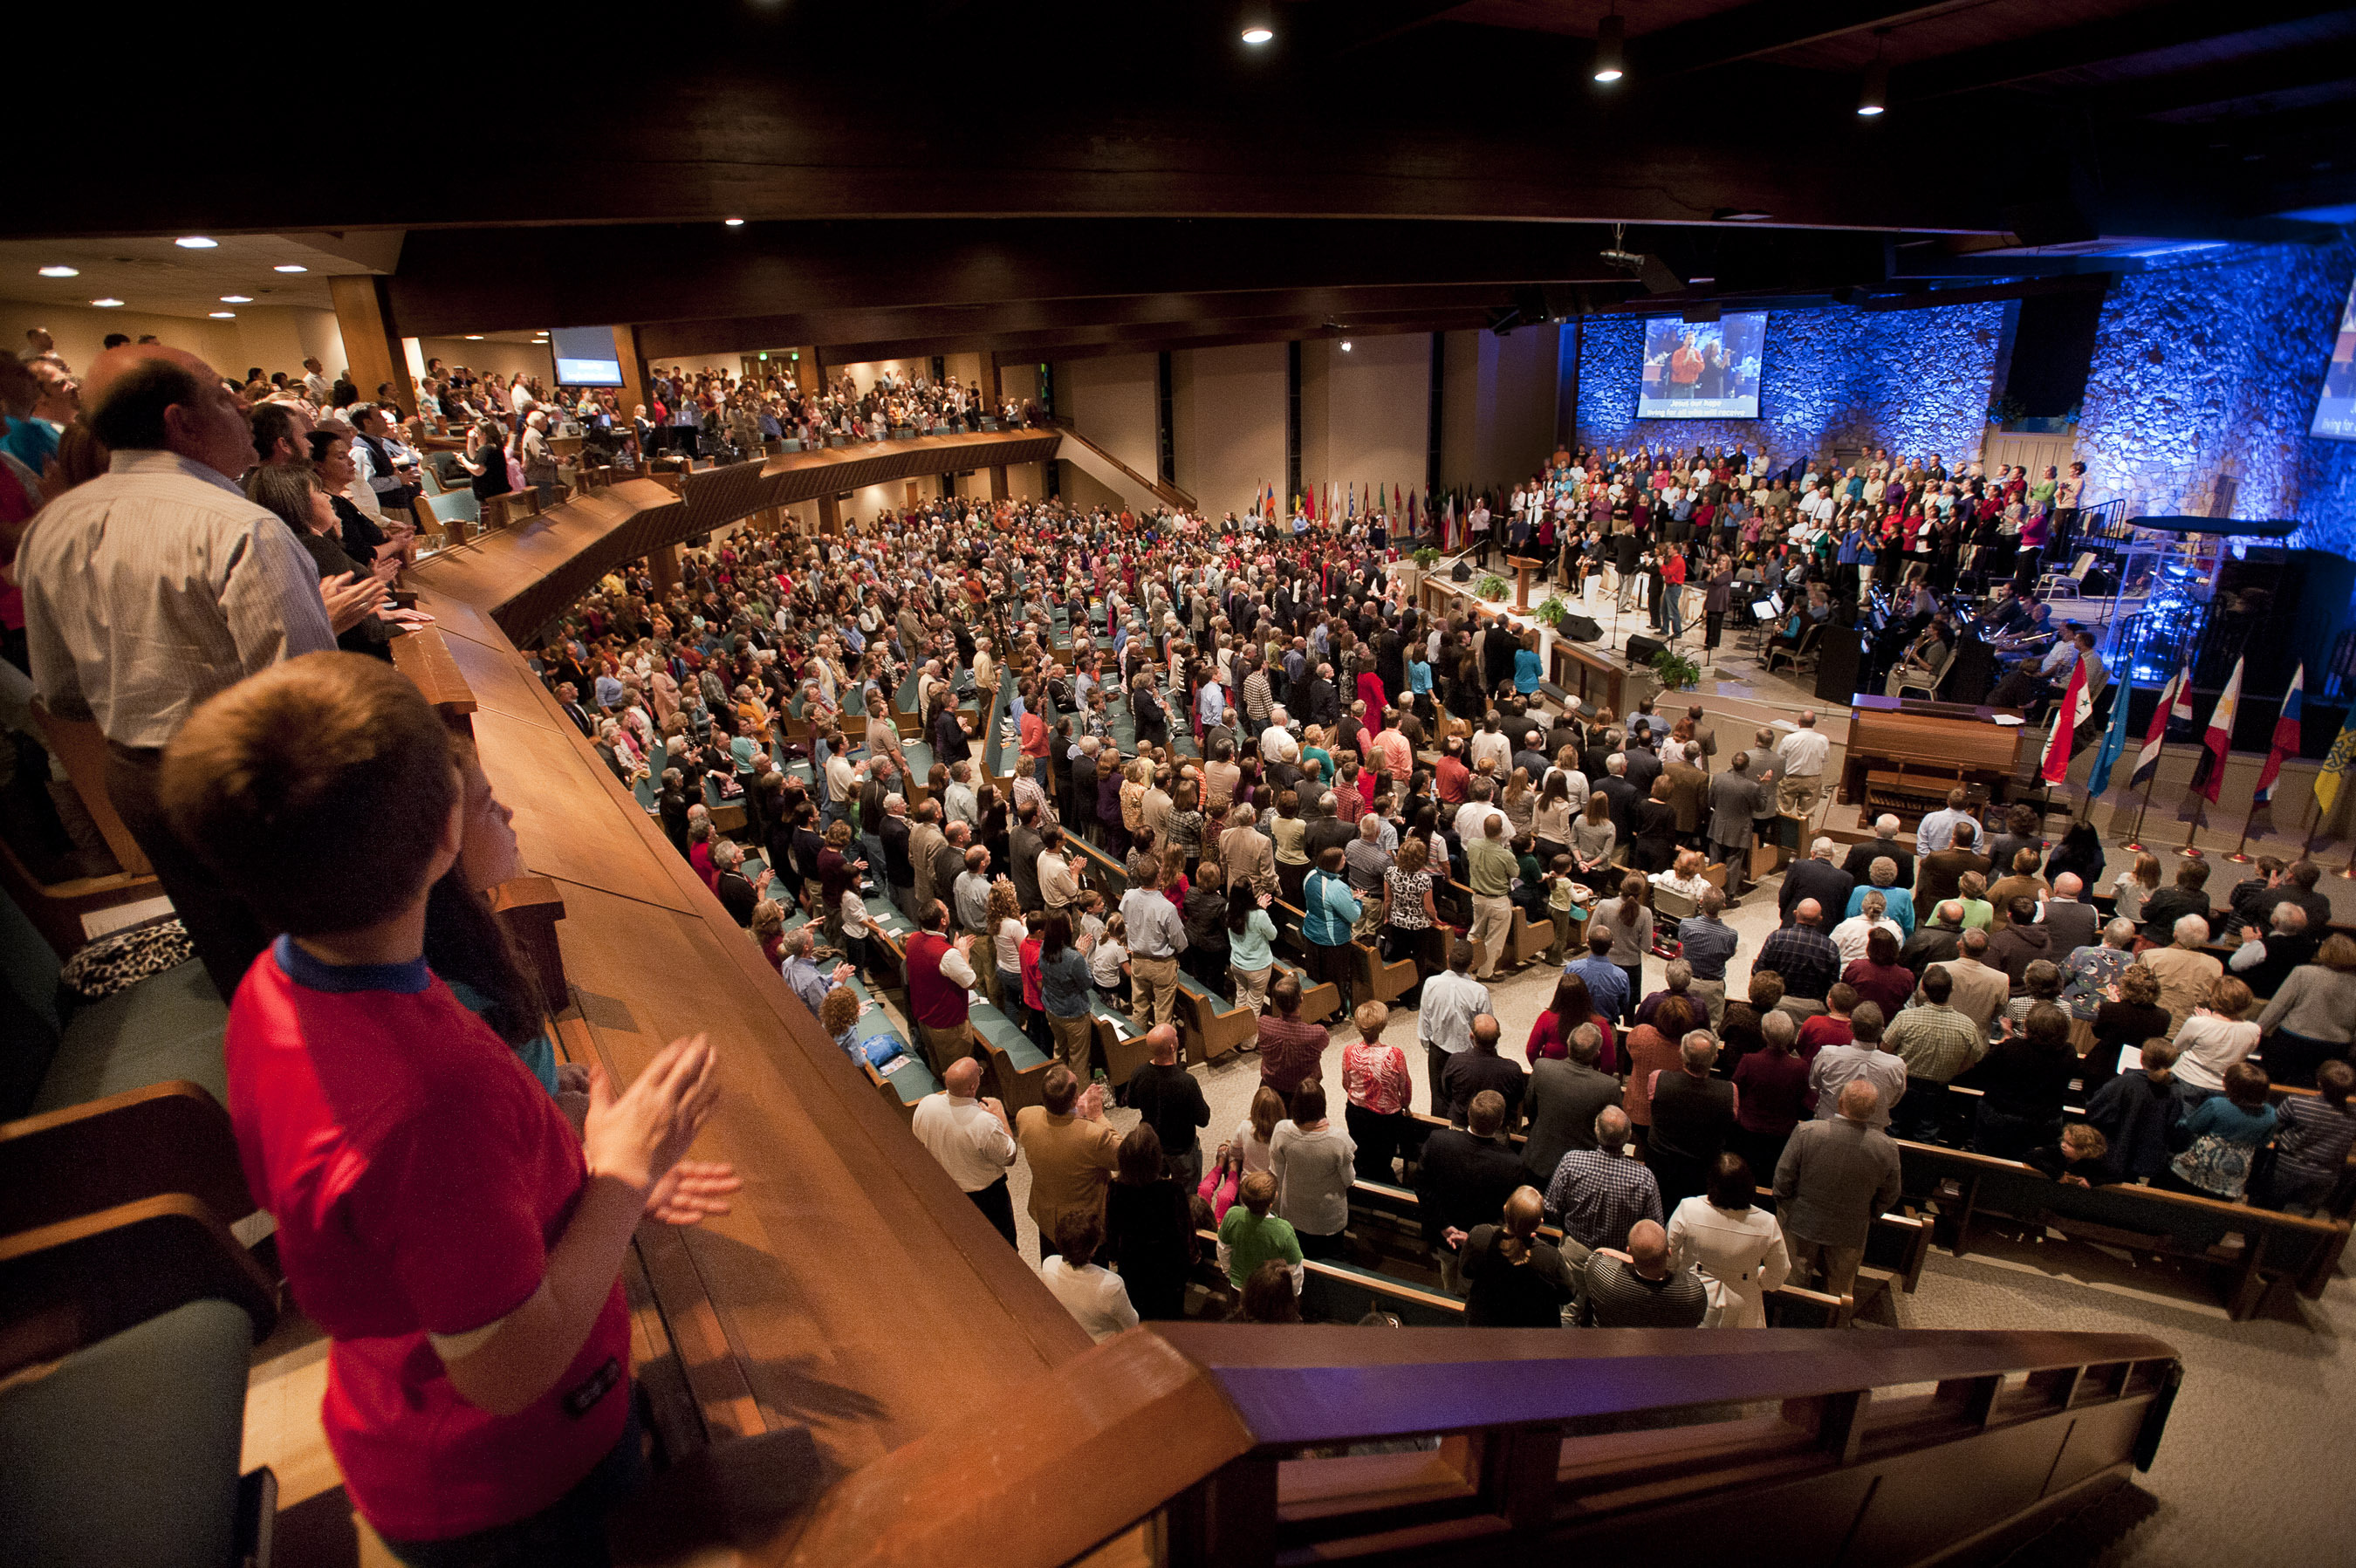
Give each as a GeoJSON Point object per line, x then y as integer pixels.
{"type": "Point", "coordinates": [1090, 1293]}
{"type": "Point", "coordinates": [2164, 911]}
{"type": "Point", "coordinates": [2312, 1016]}
{"type": "Point", "coordinates": [1251, 1237]}
{"type": "Point", "coordinates": [2311, 1141]}
{"type": "Point", "coordinates": [480, 1323]}
{"type": "Point", "coordinates": [1512, 1279]}
{"type": "Point", "coordinates": [2022, 1081]}
{"type": "Point", "coordinates": [2215, 1037]}
{"type": "Point", "coordinates": [1736, 1245]}
{"type": "Point", "coordinates": [2224, 1133]}
{"type": "Point", "coordinates": [2078, 1158]}
{"type": "Point", "coordinates": [1640, 1288]}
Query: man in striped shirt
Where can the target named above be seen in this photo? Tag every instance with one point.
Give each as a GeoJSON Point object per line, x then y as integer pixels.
{"type": "Point", "coordinates": [156, 584]}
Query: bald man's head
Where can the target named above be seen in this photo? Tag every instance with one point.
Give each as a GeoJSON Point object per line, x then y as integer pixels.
{"type": "Point", "coordinates": [1808, 912]}
{"type": "Point", "coordinates": [1161, 1040]}
{"type": "Point", "coordinates": [963, 1077]}
{"type": "Point", "coordinates": [1648, 1245]}
{"type": "Point", "coordinates": [149, 398]}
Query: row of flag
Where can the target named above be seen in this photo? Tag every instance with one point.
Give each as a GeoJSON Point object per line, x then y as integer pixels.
{"type": "Point", "coordinates": [2175, 712]}
{"type": "Point", "coordinates": [1336, 501]}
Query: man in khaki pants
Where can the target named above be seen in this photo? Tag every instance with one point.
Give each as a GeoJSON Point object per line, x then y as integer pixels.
{"type": "Point", "coordinates": [1156, 937]}
{"type": "Point", "coordinates": [1489, 870]}
{"type": "Point", "coordinates": [1802, 755]}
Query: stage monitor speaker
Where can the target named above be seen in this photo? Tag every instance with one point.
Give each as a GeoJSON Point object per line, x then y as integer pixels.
{"type": "Point", "coordinates": [1580, 628]}
{"type": "Point", "coordinates": [1839, 654]}
{"type": "Point", "coordinates": [1642, 649]}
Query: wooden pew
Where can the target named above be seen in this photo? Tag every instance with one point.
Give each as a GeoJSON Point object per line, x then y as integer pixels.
{"type": "Point", "coordinates": [1018, 1064]}
{"type": "Point", "coordinates": [1963, 1186]}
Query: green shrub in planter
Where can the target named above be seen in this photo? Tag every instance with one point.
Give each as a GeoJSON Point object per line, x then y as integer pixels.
{"type": "Point", "coordinates": [1425, 557]}
{"type": "Point", "coordinates": [1492, 586]}
{"type": "Point", "coordinates": [1552, 610]}
{"type": "Point", "coordinates": [1677, 673]}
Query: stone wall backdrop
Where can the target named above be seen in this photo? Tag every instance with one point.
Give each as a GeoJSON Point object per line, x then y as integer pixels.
{"type": "Point", "coordinates": [2211, 367]}
{"type": "Point", "coordinates": [1916, 381]}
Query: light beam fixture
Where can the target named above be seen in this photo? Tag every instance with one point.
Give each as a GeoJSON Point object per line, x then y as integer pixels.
{"type": "Point", "coordinates": [237, 299]}
{"type": "Point", "coordinates": [1259, 26]}
{"type": "Point", "coordinates": [62, 272]}
{"type": "Point", "coordinates": [195, 242]}
{"type": "Point", "coordinates": [1874, 96]}
{"type": "Point", "coordinates": [107, 304]}
{"type": "Point", "coordinates": [290, 267]}
{"type": "Point", "coordinates": [1611, 48]}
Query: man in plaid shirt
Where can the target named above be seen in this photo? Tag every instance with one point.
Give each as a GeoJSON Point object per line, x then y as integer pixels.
{"type": "Point", "coordinates": [1803, 956]}
{"type": "Point", "coordinates": [1597, 1194]}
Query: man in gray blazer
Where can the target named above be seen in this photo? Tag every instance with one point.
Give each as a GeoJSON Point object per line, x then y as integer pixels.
{"type": "Point", "coordinates": [1562, 1100]}
{"type": "Point", "coordinates": [1834, 1177]}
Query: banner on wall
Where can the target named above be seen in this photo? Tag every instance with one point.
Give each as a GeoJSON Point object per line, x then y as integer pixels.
{"type": "Point", "coordinates": [2335, 410]}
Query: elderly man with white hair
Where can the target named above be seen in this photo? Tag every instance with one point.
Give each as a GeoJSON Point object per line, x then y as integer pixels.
{"type": "Point", "coordinates": [1276, 741]}
{"type": "Point", "coordinates": [2185, 972]}
{"type": "Point", "coordinates": [1883, 844]}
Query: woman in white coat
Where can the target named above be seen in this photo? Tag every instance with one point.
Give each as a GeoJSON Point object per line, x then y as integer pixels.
{"type": "Point", "coordinates": [1737, 1245]}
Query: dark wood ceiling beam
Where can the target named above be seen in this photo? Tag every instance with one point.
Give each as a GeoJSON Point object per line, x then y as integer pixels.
{"type": "Point", "coordinates": [1009, 319]}
{"type": "Point", "coordinates": [2242, 84]}
{"type": "Point", "coordinates": [2021, 61]}
{"type": "Point", "coordinates": [1240, 339]}
{"type": "Point", "coordinates": [485, 280]}
{"type": "Point", "coordinates": [1763, 27]}
{"type": "Point", "coordinates": [1144, 338]}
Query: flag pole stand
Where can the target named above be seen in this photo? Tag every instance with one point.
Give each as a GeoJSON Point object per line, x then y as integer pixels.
{"type": "Point", "coordinates": [2135, 837]}
{"type": "Point", "coordinates": [2238, 857]}
{"type": "Point", "coordinates": [2191, 850]}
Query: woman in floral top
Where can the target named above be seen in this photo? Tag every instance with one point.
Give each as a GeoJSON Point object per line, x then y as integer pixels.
{"type": "Point", "coordinates": [1409, 916]}
{"type": "Point", "coordinates": [1374, 1076]}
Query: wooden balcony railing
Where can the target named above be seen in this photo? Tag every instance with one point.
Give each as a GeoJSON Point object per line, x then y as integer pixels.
{"type": "Point", "coordinates": [853, 1368]}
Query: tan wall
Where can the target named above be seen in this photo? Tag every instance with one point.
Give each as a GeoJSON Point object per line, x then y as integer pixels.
{"type": "Point", "coordinates": [274, 337]}
{"type": "Point", "coordinates": [1111, 402]}
{"type": "Point", "coordinates": [1226, 421]}
{"type": "Point", "coordinates": [1498, 415]}
{"type": "Point", "coordinates": [490, 355]}
{"type": "Point", "coordinates": [1081, 489]}
{"type": "Point", "coordinates": [1365, 415]}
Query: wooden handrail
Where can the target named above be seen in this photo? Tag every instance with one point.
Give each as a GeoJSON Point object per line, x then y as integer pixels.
{"type": "Point", "coordinates": [1224, 1410]}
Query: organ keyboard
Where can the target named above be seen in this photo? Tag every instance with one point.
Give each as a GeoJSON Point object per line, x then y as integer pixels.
{"type": "Point", "coordinates": [1904, 756]}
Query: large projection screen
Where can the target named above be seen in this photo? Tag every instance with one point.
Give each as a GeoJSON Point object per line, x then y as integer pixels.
{"type": "Point", "coordinates": [1702, 370]}
{"type": "Point", "coordinates": [2335, 410]}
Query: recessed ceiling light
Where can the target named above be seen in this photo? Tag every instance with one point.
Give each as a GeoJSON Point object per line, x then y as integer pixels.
{"type": "Point", "coordinates": [223, 315]}
{"type": "Point", "coordinates": [237, 299]}
{"type": "Point", "coordinates": [62, 272]}
{"type": "Point", "coordinates": [1259, 35]}
{"type": "Point", "coordinates": [195, 242]}
{"type": "Point", "coordinates": [734, 222]}
{"type": "Point", "coordinates": [290, 267]}
{"type": "Point", "coordinates": [474, 337]}
{"type": "Point", "coordinates": [106, 303]}
{"type": "Point", "coordinates": [1346, 345]}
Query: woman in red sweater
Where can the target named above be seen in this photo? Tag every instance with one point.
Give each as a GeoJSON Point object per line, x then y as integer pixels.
{"type": "Point", "coordinates": [1572, 1006]}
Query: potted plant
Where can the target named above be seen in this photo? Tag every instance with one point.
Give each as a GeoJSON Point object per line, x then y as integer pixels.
{"type": "Point", "coordinates": [1550, 611]}
{"type": "Point", "coordinates": [1425, 557]}
{"type": "Point", "coordinates": [1492, 586]}
{"type": "Point", "coordinates": [1677, 673]}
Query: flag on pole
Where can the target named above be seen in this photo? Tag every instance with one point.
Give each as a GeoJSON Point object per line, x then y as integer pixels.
{"type": "Point", "coordinates": [2285, 743]}
{"type": "Point", "coordinates": [2114, 742]}
{"type": "Point", "coordinates": [2209, 771]}
{"type": "Point", "coordinates": [2175, 703]}
{"type": "Point", "coordinates": [2336, 767]}
{"type": "Point", "coordinates": [2076, 704]}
